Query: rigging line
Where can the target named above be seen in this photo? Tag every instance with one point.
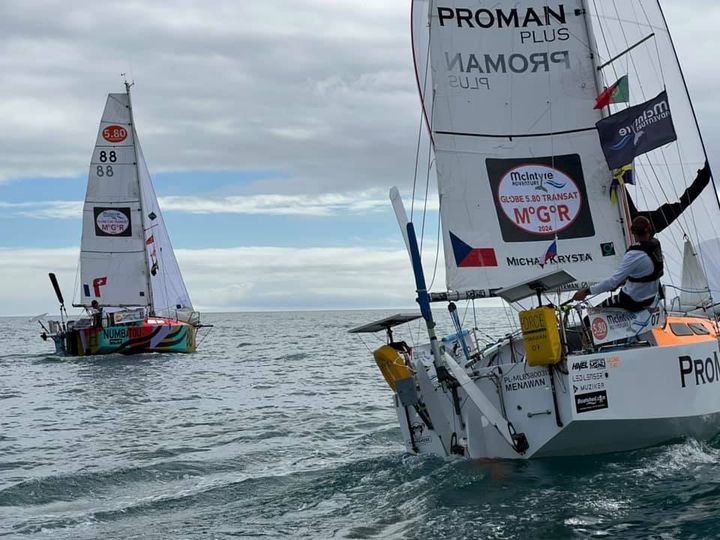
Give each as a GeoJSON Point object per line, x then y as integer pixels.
{"type": "Point", "coordinates": [687, 93]}
{"type": "Point", "coordinates": [662, 77]}
{"type": "Point", "coordinates": [694, 115]}
{"type": "Point", "coordinates": [437, 254]}
{"type": "Point", "coordinates": [421, 90]}
{"type": "Point", "coordinates": [512, 136]}
{"type": "Point", "coordinates": [427, 183]}
{"type": "Point", "coordinates": [467, 306]}
{"type": "Point", "coordinates": [78, 278]}
{"type": "Point", "coordinates": [474, 313]}
{"type": "Point", "coordinates": [642, 91]}
{"type": "Point", "coordinates": [656, 41]}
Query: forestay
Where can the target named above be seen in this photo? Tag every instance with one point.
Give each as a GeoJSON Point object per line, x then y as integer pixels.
{"type": "Point", "coordinates": [523, 183]}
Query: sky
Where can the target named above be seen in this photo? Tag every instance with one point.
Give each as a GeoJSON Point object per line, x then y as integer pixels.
{"type": "Point", "coordinates": [273, 131]}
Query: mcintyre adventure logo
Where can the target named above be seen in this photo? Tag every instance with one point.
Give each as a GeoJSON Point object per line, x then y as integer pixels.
{"type": "Point", "coordinates": [540, 198]}
{"type": "Point", "coordinates": [636, 131]}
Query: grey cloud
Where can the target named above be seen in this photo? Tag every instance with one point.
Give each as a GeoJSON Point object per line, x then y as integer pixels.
{"type": "Point", "coordinates": [323, 91]}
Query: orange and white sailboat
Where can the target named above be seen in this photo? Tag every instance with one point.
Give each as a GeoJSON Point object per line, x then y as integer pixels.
{"type": "Point", "coordinates": [538, 180]}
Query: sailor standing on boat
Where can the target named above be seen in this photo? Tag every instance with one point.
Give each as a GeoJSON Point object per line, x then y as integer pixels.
{"type": "Point", "coordinates": [95, 312]}
{"type": "Point", "coordinates": [640, 271]}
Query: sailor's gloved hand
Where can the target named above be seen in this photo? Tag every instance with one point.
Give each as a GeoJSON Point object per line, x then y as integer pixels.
{"type": "Point", "coordinates": [705, 171]}
{"type": "Point", "coordinates": [581, 295]}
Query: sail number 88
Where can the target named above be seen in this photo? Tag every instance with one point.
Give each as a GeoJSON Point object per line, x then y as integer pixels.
{"type": "Point", "coordinates": [107, 170]}
{"type": "Point", "coordinates": [108, 156]}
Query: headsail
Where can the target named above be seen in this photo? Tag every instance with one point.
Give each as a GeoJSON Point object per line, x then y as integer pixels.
{"type": "Point", "coordinates": [126, 255]}
{"type": "Point", "coordinates": [170, 295]}
{"type": "Point", "coordinates": [523, 182]}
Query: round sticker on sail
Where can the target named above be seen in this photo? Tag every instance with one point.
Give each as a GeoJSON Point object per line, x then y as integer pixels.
{"type": "Point", "coordinates": [539, 199]}
{"type": "Point", "coordinates": [111, 222]}
{"type": "Point", "coordinates": [114, 134]}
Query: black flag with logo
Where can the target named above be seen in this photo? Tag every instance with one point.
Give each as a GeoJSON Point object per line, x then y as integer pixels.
{"type": "Point", "coordinates": [636, 131]}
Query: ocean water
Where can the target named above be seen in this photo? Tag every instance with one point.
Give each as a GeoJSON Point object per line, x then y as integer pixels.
{"type": "Point", "coordinates": [281, 427]}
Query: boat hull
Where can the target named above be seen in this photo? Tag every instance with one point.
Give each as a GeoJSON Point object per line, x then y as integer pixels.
{"type": "Point", "coordinates": [149, 335]}
{"type": "Point", "coordinates": [619, 400]}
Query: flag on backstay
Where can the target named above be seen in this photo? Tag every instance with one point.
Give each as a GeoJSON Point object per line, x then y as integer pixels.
{"type": "Point", "coordinates": [617, 93]}
{"type": "Point", "coordinates": [621, 176]}
{"type": "Point", "coordinates": [636, 131]}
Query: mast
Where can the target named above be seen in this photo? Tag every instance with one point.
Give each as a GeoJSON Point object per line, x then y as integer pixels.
{"type": "Point", "coordinates": [623, 209]}
{"type": "Point", "coordinates": [151, 303]}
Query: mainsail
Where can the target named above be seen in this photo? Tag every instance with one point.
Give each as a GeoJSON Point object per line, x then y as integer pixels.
{"type": "Point", "coordinates": [524, 187]}
{"type": "Point", "coordinates": [126, 257]}
{"type": "Point", "coordinates": [509, 90]}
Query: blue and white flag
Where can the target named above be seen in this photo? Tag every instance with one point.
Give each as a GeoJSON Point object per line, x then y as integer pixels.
{"type": "Point", "coordinates": [636, 131]}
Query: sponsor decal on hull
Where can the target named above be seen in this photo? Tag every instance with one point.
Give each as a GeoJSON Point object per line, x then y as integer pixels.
{"type": "Point", "coordinates": [523, 381]}
{"type": "Point", "coordinates": [588, 375]}
{"type": "Point", "coordinates": [592, 401]}
{"type": "Point", "coordinates": [698, 371]}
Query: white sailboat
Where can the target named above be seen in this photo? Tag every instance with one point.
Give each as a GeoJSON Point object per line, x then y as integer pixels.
{"type": "Point", "coordinates": [531, 209]}
{"type": "Point", "coordinates": [130, 279]}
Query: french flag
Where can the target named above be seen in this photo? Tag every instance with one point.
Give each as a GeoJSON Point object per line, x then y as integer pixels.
{"type": "Point", "coordinates": [469, 257]}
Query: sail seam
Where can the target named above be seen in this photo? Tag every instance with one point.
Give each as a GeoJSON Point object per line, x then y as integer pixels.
{"type": "Point", "coordinates": [511, 136]}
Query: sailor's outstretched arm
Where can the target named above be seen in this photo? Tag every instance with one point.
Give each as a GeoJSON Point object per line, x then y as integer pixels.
{"type": "Point", "coordinates": [662, 217]}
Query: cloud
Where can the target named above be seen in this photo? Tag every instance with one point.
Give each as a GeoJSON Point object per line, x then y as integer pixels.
{"type": "Point", "coordinates": [44, 209]}
{"type": "Point", "coordinates": [247, 278]}
{"type": "Point", "coordinates": [321, 90]}
{"type": "Point", "coordinates": [322, 205]}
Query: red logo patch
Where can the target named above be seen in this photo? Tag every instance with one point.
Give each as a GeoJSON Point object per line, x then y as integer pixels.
{"type": "Point", "coordinates": [114, 134]}
{"type": "Point", "coordinates": [599, 328]}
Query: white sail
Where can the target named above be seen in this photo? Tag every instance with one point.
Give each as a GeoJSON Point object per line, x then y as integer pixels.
{"type": "Point", "coordinates": [694, 290]}
{"type": "Point", "coordinates": [520, 169]}
{"type": "Point", "coordinates": [169, 293]}
{"type": "Point", "coordinates": [112, 257]}
{"type": "Point", "coordinates": [126, 255]}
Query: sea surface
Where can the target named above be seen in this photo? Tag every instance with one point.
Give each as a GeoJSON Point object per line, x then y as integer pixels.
{"type": "Point", "coordinates": [281, 426]}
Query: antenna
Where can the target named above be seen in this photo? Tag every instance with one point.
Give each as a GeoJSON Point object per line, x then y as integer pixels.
{"type": "Point", "coordinates": [128, 85]}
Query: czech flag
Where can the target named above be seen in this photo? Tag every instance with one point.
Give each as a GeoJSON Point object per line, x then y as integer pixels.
{"type": "Point", "coordinates": [469, 257]}
{"type": "Point", "coordinates": [550, 254]}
